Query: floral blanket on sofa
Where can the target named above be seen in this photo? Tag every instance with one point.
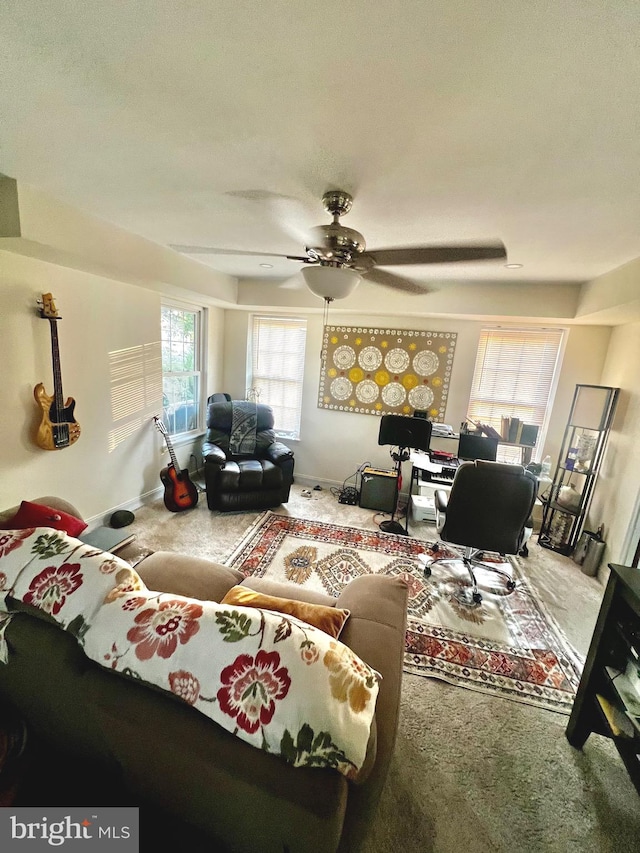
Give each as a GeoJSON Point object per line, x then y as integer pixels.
{"type": "Point", "coordinates": [272, 680]}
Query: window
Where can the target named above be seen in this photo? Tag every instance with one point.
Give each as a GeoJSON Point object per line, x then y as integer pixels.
{"type": "Point", "coordinates": [276, 369]}
{"type": "Point", "coordinates": [514, 377]}
{"type": "Point", "coordinates": [181, 362]}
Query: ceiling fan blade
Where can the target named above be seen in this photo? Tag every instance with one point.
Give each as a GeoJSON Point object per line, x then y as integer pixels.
{"type": "Point", "coordinates": [396, 282]}
{"type": "Point", "coordinates": [208, 250]}
{"type": "Point", "coordinates": [435, 254]}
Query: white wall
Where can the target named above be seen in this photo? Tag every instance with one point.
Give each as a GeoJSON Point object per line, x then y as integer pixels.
{"type": "Point", "coordinates": [118, 456]}
{"type": "Point", "coordinates": [334, 444]}
{"type": "Point", "coordinates": [618, 490]}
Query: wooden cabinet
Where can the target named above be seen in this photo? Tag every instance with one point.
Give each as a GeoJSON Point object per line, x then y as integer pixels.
{"type": "Point", "coordinates": [567, 500]}
{"type": "Point", "coordinates": [608, 697]}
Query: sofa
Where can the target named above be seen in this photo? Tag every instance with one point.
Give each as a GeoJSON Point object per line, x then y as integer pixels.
{"type": "Point", "coordinates": [256, 478]}
{"type": "Point", "coordinates": [165, 753]}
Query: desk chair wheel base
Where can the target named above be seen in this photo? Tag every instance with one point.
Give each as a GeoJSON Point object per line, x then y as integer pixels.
{"type": "Point", "coordinates": [489, 507]}
{"type": "Point", "coordinates": [468, 597]}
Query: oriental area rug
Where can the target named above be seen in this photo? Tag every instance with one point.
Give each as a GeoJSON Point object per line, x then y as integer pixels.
{"type": "Point", "coordinates": [508, 645]}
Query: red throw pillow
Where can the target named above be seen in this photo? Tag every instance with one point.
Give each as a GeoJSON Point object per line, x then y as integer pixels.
{"type": "Point", "coordinates": [39, 515]}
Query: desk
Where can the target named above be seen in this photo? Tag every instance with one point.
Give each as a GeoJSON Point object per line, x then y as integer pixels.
{"type": "Point", "coordinates": [526, 450]}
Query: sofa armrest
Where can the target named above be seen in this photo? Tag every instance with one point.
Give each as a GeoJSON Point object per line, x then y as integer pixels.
{"type": "Point", "coordinates": [47, 500]}
{"type": "Point", "coordinates": [195, 577]}
{"type": "Point", "coordinates": [375, 631]}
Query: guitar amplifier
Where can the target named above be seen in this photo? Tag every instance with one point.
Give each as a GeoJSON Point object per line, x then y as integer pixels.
{"type": "Point", "coordinates": [378, 489]}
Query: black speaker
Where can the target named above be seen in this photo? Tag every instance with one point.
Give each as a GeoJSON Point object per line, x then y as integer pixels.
{"type": "Point", "coordinates": [378, 489]}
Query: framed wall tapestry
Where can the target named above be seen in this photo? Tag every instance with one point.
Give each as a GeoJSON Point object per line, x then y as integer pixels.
{"type": "Point", "coordinates": [385, 371]}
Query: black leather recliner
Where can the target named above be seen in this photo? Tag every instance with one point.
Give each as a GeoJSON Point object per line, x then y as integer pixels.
{"type": "Point", "coordinates": [260, 480]}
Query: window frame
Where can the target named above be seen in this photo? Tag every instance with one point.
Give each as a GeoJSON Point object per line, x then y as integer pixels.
{"type": "Point", "coordinates": [199, 371]}
{"type": "Point", "coordinates": [508, 453]}
{"type": "Point", "coordinates": [253, 384]}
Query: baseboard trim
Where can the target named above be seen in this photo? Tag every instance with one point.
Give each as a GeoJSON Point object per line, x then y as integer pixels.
{"type": "Point", "coordinates": [155, 494]}
{"type": "Point", "coordinates": [305, 480]}
{"type": "Point", "coordinates": [131, 505]}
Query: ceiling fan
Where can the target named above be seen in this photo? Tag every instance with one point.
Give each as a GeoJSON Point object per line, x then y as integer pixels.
{"type": "Point", "coordinates": [336, 258]}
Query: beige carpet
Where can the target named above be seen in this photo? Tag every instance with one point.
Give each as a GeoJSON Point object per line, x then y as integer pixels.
{"type": "Point", "coordinates": [472, 773]}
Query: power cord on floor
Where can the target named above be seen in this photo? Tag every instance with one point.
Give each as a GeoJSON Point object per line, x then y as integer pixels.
{"type": "Point", "coordinates": [350, 494]}
{"type": "Point", "coordinates": [196, 470]}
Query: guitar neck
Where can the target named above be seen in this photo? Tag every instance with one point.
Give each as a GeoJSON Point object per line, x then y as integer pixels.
{"type": "Point", "coordinates": [172, 454]}
{"type": "Point", "coordinates": [55, 357]}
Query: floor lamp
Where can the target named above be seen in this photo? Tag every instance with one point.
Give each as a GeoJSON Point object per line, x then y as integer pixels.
{"type": "Point", "coordinates": [407, 433]}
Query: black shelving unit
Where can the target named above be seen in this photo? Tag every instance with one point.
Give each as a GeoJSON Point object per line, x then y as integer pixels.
{"type": "Point", "coordinates": [602, 705]}
{"type": "Point", "coordinates": [566, 502]}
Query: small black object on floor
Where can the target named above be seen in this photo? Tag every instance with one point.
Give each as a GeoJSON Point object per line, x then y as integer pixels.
{"type": "Point", "coordinates": [392, 526]}
{"type": "Point", "coordinates": [121, 518]}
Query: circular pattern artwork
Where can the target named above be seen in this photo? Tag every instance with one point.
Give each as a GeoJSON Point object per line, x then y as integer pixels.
{"type": "Point", "coordinates": [425, 363]}
{"type": "Point", "coordinates": [421, 397]}
{"type": "Point", "coordinates": [393, 394]}
{"type": "Point", "coordinates": [378, 371]}
{"type": "Point", "coordinates": [367, 391]}
{"type": "Point", "coordinates": [370, 358]}
{"type": "Point", "coordinates": [341, 388]}
{"type": "Point", "coordinates": [410, 380]}
{"type": "Point", "coordinates": [397, 360]}
{"type": "Point", "coordinates": [344, 357]}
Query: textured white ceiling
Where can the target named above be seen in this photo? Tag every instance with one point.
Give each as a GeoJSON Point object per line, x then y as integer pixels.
{"type": "Point", "coordinates": [222, 123]}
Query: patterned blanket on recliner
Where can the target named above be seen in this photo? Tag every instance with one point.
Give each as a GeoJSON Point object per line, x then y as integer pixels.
{"type": "Point", "coordinates": [244, 421]}
{"type": "Point", "coordinates": [271, 679]}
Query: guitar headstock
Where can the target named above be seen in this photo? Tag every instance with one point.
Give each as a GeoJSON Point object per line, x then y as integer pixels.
{"type": "Point", "coordinates": [160, 425]}
{"type": "Point", "coordinates": [48, 308]}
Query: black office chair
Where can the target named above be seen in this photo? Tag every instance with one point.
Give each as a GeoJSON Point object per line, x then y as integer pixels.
{"type": "Point", "coordinates": [487, 509]}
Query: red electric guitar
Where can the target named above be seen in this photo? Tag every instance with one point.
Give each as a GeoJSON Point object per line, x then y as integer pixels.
{"type": "Point", "coordinates": [179, 492]}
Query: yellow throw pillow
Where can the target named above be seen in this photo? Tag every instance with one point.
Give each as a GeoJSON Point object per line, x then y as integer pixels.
{"type": "Point", "coordinates": [328, 619]}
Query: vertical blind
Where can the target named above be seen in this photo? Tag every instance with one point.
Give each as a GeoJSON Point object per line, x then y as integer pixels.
{"type": "Point", "coordinates": [277, 368]}
{"type": "Point", "coordinates": [514, 374]}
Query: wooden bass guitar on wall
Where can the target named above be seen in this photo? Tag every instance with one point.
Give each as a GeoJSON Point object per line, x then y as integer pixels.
{"type": "Point", "coordinates": [58, 427]}
{"type": "Point", "coordinates": [179, 492]}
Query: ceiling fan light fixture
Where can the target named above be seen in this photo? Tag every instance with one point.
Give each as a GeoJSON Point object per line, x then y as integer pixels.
{"type": "Point", "coordinates": [331, 282]}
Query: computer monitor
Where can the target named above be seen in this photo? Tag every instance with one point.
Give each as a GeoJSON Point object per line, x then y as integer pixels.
{"type": "Point", "coordinates": [472, 447]}
{"type": "Point", "coordinates": [404, 431]}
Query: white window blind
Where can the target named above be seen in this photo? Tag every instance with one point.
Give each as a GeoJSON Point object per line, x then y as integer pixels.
{"type": "Point", "coordinates": [514, 375]}
{"type": "Point", "coordinates": [277, 368]}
